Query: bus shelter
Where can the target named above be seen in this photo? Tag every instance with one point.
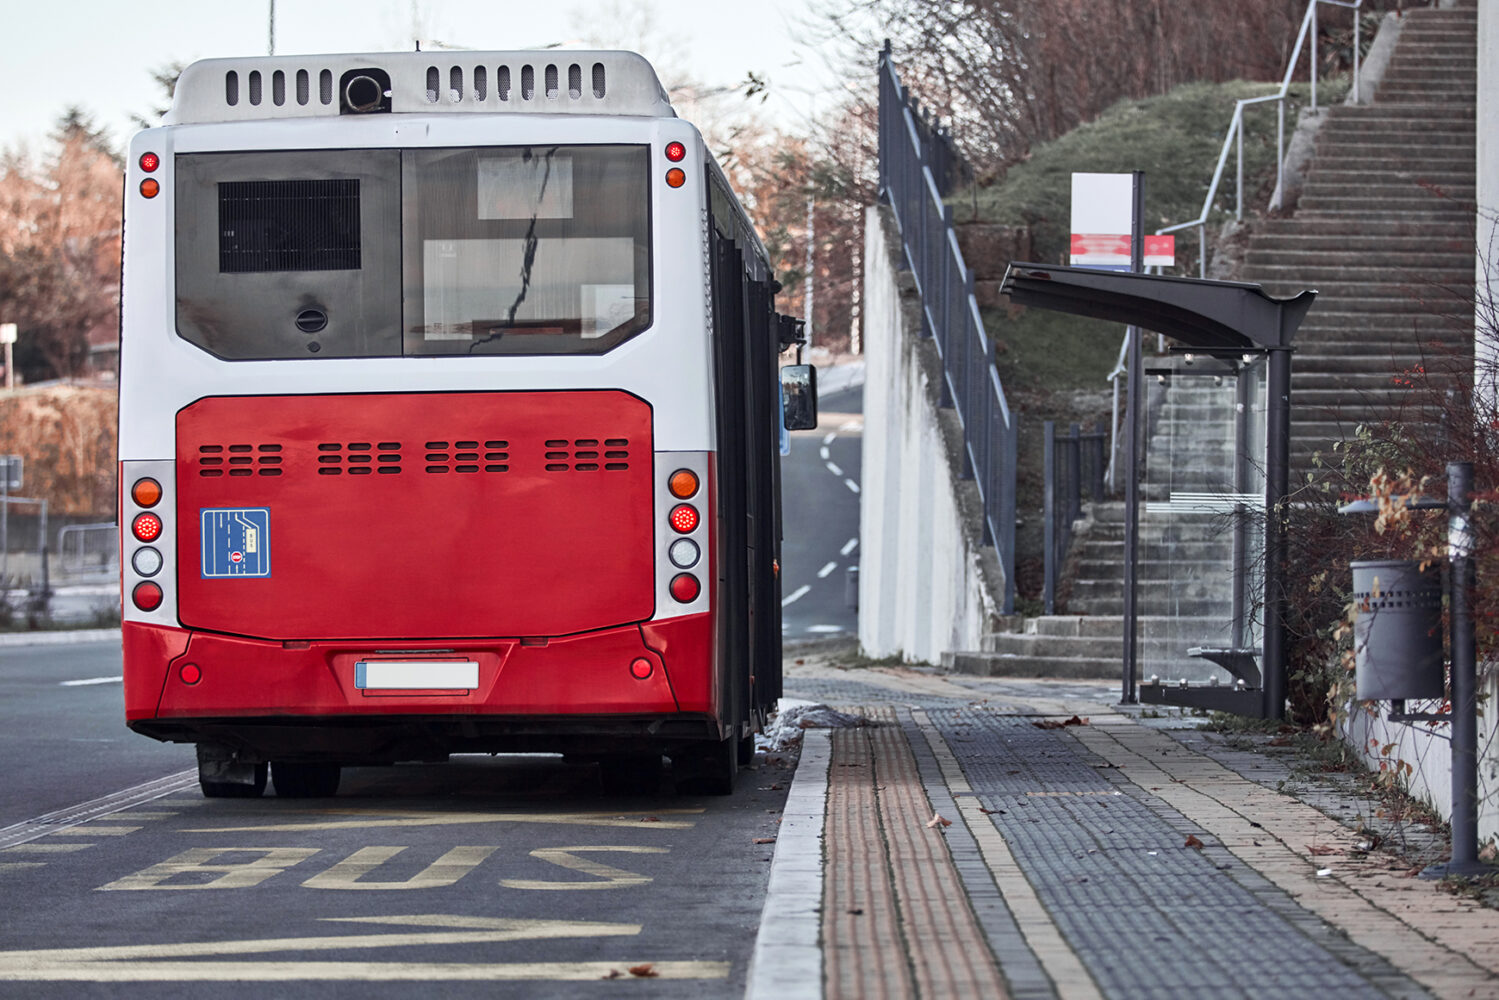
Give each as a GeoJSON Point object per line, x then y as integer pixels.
{"type": "Point", "coordinates": [1208, 452]}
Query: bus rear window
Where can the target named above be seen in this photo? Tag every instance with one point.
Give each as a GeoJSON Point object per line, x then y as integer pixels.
{"type": "Point", "coordinates": [525, 250]}
{"type": "Point", "coordinates": [378, 253]}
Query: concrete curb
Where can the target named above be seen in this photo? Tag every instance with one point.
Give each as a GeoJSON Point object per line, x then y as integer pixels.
{"type": "Point", "coordinates": [787, 961]}
{"type": "Point", "coordinates": [59, 638]}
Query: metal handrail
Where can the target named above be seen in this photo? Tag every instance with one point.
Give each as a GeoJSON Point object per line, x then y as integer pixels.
{"type": "Point", "coordinates": [909, 149]}
{"type": "Point", "coordinates": [1236, 128]}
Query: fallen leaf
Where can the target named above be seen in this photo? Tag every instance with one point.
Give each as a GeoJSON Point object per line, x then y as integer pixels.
{"type": "Point", "coordinates": [991, 811]}
{"type": "Point", "coordinates": [856, 911]}
{"type": "Point", "coordinates": [650, 819]}
{"type": "Point", "coordinates": [612, 974]}
{"type": "Point", "coordinates": [800, 662]}
{"type": "Point", "coordinates": [1060, 723]}
{"type": "Point", "coordinates": [1321, 849]}
{"type": "Point", "coordinates": [646, 971]}
{"type": "Point", "coordinates": [1192, 841]}
{"type": "Point", "coordinates": [938, 820]}
{"type": "Point", "coordinates": [765, 840]}
{"type": "Point", "coordinates": [1280, 741]}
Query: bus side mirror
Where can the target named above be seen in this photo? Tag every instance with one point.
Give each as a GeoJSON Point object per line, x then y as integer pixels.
{"type": "Point", "coordinates": [799, 397]}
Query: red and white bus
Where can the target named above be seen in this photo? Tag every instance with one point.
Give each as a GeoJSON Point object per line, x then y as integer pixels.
{"type": "Point", "coordinates": [449, 422]}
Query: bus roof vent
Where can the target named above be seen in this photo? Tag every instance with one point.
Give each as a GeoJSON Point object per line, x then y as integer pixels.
{"type": "Point", "coordinates": [552, 81]}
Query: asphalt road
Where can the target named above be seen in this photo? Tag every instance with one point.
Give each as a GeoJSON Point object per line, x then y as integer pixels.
{"type": "Point", "coordinates": [521, 871]}
{"type": "Point", "coordinates": [62, 730]}
{"type": "Point", "coordinates": [820, 511]}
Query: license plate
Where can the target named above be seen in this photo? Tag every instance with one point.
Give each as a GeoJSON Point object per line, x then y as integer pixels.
{"type": "Point", "coordinates": [416, 675]}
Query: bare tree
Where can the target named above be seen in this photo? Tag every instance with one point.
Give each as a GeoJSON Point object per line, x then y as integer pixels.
{"type": "Point", "coordinates": [60, 248]}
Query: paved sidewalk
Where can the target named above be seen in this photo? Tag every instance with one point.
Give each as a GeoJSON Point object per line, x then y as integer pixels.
{"type": "Point", "coordinates": [967, 842]}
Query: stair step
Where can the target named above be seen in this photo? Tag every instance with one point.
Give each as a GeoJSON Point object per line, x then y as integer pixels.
{"type": "Point", "coordinates": [1313, 261]}
{"type": "Point", "coordinates": [1417, 271]}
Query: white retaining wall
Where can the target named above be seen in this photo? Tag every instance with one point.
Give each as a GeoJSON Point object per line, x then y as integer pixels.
{"type": "Point", "coordinates": [921, 589]}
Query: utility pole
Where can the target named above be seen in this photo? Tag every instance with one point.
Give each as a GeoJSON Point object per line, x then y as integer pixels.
{"type": "Point", "coordinates": [807, 296]}
{"type": "Point", "coordinates": [8, 338]}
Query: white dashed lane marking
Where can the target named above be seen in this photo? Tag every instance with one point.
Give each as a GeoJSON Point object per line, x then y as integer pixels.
{"type": "Point", "coordinates": [835, 470]}
{"type": "Point", "coordinates": [848, 546]}
{"type": "Point", "coordinates": [827, 570]}
{"type": "Point", "coordinates": [796, 595]}
{"type": "Point", "coordinates": [851, 485]}
{"type": "Point", "coordinates": [91, 680]}
{"type": "Point", "coordinates": [828, 438]}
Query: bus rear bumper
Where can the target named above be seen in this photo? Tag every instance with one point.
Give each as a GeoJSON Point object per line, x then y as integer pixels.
{"type": "Point", "coordinates": [633, 682]}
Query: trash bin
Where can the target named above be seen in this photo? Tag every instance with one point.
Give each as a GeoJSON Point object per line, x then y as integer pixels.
{"type": "Point", "coordinates": [1397, 629]}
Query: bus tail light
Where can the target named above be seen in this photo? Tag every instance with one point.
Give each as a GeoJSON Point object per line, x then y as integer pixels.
{"type": "Point", "coordinates": [684, 517]}
{"type": "Point", "coordinates": [685, 588]}
{"type": "Point", "coordinates": [146, 527]}
{"type": "Point", "coordinates": [675, 177]}
{"type": "Point", "coordinates": [190, 673]}
{"type": "Point", "coordinates": [683, 484]}
{"type": "Point", "coordinates": [149, 162]}
{"type": "Point", "coordinates": [146, 596]}
{"type": "Point", "coordinates": [641, 668]}
{"type": "Point", "coordinates": [150, 187]}
{"type": "Point", "coordinates": [675, 151]}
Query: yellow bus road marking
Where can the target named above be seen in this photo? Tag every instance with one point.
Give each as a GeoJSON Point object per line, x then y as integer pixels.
{"type": "Point", "coordinates": [164, 962]}
{"type": "Point", "coordinates": [45, 848]}
{"type": "Point", "coordinates": [245, 867]}
{"type": "Point", "coordinates": [180, 972]}
{"type": "Point", "coordinates": [461, 819]}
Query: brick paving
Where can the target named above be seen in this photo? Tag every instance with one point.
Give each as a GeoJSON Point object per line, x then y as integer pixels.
{"type": "Point", "coordinates": [1068, 870]}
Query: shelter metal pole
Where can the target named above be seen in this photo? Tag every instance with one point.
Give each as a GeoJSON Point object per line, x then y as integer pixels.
{"type": "Point", "coordinates": [1133, 407]}
{"type": "Point", "coordinates": [1277, 489]}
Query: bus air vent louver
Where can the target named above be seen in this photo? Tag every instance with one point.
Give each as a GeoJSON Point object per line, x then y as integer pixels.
{"type": "Point", "coordinates": [359, 458]}
{"type": "Point", "coordinates": [587, 455]}
{"type": "Point", "coordinates": [217, 460]}
{"type": "Point", "coordinates": [593, 82]}
{"type": "Point", "coordinates": [466, 457]}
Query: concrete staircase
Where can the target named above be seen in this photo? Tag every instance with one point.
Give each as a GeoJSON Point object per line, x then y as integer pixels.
{"type": "Point", "coordinates": [1384, 232]}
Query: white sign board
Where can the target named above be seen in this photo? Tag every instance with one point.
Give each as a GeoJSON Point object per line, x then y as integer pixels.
{"type": "Point", "coordinates": [1101, 225]}
{"type": "Point", "coordinates": [10, 471]}
{"type": "Point", "coordinates": [7, 333]}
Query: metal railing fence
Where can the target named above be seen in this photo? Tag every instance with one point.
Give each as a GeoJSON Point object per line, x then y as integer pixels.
{"type": "Point", "coordinates": [1235, 135]}
{"type": "Point", "coordinates": [1074, 465]}
{"type": "Point", "coordinates": [912, 154]}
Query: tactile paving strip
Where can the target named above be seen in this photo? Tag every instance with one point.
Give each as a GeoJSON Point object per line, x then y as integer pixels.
{"type": "Point", "coordinates": [1146, 915]}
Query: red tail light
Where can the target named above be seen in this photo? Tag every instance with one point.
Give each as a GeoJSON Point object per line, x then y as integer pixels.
{"type": "Point", "coordinates": [684, 517]}
{"type": "Point", "coordinates": [146, 527]}
{"type": "Point", "coordinates": [685, 588]}
{"type": "Point", "coordinates": [147, 596]}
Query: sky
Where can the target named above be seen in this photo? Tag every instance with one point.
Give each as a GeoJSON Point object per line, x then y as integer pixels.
{"type": "Point", "coordinates": [100, 54]}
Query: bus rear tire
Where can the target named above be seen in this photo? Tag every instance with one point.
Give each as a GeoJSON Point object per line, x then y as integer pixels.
{"type": "Point", "coordinates": [233, 789]}
{"type": "Point", "coordinates": [630, 774]}
{"type": "Point", "coordinates": [295, 780]}
{"type": "Point", "coordinates": [709, 768]}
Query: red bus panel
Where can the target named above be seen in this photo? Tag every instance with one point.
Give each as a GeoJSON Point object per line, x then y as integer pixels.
{"type": "Point", "coordinates": [415, 515]}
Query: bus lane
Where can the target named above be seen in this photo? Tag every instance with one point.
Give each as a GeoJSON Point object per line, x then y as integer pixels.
{"type": "Point", "coordinates": [515, 871]}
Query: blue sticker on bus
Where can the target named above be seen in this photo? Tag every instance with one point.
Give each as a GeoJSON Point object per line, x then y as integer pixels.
{"type": "Point", "coordinates": [236, 542]}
